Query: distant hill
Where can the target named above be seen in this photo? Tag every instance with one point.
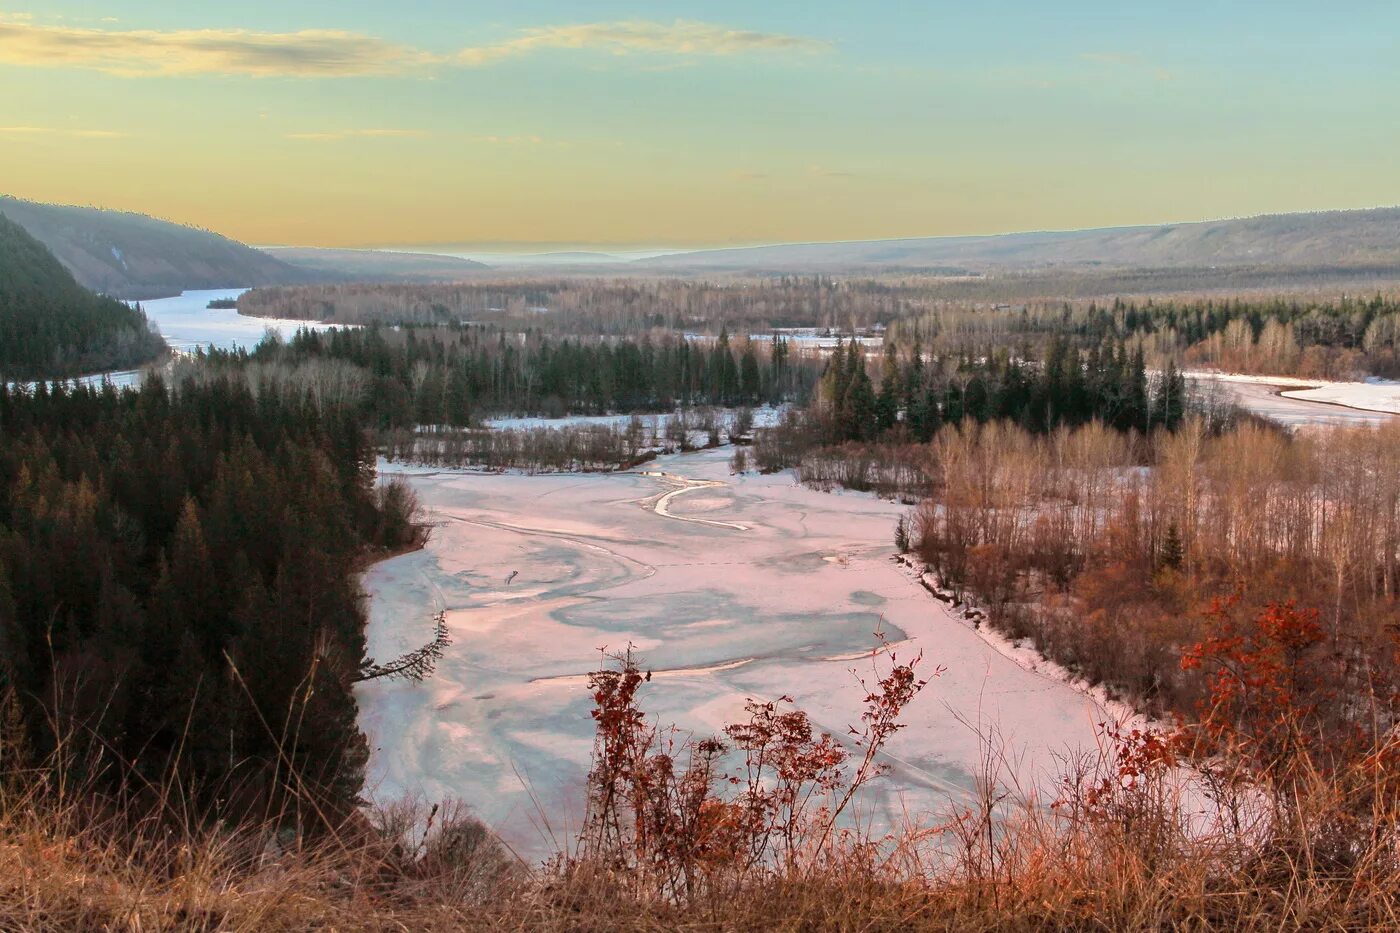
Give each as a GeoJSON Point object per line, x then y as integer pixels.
{"type": "Point", "coordinates": [1369, 238]}
{"type": "Point", "coordinates": [369, 265]}
{"type": "Point", "coordinates": [569, 257]}
{"type": "Point", "coordinates": [134, 256]}
{"type": "Point", "coordinates": [50, 326]}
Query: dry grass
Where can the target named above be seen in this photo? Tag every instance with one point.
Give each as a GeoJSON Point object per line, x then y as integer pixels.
{"type": "Point", "coordinates": [1131, 864]}
{"type": "Point", "coordinates": [1303, 838]}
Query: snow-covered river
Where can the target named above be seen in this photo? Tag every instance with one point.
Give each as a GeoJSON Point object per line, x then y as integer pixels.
{"type": "Point", "coordinates": [188, 323]}
{"type": "Point", "coordinates": [1297, 403]}
{"type": "Point", "coordinates": [728, 586]}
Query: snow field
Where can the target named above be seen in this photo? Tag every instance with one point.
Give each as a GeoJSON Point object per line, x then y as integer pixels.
{"type": "Point", "coordinates": [728, 587]}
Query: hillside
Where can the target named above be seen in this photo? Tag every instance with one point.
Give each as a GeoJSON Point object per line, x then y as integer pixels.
{"type": "Point", "coordinates": [372, 265]}
{"type": "Point", "coordinates": [1344, 239]}
{"type": "Point", "coordinates": [50, 326]}
{"type": "Point", "coordinates": [128, 255]}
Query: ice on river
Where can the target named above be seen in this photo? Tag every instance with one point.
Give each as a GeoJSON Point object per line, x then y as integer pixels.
{"type": "Point", "coordinates": [187, 322]}
{"type": "Point", "coordinates": [1296, 403]}
{"type": "Point", "coordinates": [737, 586]}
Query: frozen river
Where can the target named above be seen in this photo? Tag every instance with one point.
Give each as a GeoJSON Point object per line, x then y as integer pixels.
{"type": "Point", "coordinates": [1298, 403]}
{"type": "Point", "coordinates": [188, 323]}
{"type": "Point", "coordinates": [728, 586]}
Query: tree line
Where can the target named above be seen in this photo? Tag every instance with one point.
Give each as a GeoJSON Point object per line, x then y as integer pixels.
{"type": "Point", "coordinates": [1323, 337]}
{"type": "Point", "coordinates": [456, 376]}
{"type": "Point", "coordinates": [1331, 335]}
{"type": "Point", "coordinates": [613, 306]}
{"type": "Point", "coordinates": [1040, 389]}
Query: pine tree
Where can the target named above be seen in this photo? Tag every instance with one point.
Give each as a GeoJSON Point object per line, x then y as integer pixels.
{"type": "Point", "coordinates": [858, 410]}
{"type": "Point", "coordinates": [1135, 409]}
{"type": "Point", "coordinates": [887, 403]}
{"type": "Point", "coordinates": [1173, 552]}
{"type": "Point", "coordinates": [1170, 405]}
{"type": "Point", "coordinates": [911, 380]}
{"type": "Point", "coordinates": [750, 382]}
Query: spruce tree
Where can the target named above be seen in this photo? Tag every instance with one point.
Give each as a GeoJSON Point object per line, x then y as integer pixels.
{"type": "Point", "coordinates": [888, 402]}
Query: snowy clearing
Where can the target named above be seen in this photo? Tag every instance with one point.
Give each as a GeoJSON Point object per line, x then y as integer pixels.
{"type": "Point", "coordinates": [1299, 403]}
{"type": "Point", "coordinates": [734, 586]}
{"type": "Point", "coordinates": [1380, 395]}
{"type": "Point", "coordinates": [764, 416]}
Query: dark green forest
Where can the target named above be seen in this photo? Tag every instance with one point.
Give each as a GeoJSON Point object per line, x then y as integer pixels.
{"type": "Point", "coordinates": [1040, 389]}
{"type": "Point", "coordinates": [51, 327]}
{"type": "Point", "coordinates": [177, 597]}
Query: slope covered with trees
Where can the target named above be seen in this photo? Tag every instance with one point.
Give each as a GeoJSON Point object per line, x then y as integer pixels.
{"type": "Point", "coordinates": [374, 265]}
{"type": "Point", "coordinates": [130, 255]}
{"type": "Point", "coordinates": [1329, 238]}
{"type": "Point", "coordinates": [50, 326]}
{"type": "Point", "coordinates": [176, 591]}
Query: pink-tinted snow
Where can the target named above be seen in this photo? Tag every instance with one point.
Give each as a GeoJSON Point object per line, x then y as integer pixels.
{"type": "Point", "coordinates": [735, 587]}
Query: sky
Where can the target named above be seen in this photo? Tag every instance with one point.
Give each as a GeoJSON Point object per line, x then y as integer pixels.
{"type": "Point", "coordinates": [541, 124]}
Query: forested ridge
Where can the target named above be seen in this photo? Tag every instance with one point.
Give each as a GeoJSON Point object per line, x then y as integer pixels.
{"type": "Point", "coordinates": [51, 327]}
{"type": "Point", "coordinates": [176, 591]}
{"type": "Point", "coordinates": [136, 256]}
{"type": "Point", "coordinates": [1331, 335]}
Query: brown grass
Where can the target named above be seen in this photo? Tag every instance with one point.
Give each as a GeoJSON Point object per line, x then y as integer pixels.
{"type": "Point", "coordinates": [60, 870]}
{"type": "Point", "coordinates": [1316, 853]}
{"type": "Point", "coordinates": [1254, 834]}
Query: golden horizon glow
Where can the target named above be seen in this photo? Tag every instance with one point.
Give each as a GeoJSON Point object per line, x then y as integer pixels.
{"type": "Point", "coordinates": [419, 124]}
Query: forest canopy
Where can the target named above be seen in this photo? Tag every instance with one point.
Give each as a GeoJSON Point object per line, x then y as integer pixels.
{"type": "Point", "coordinates": [176, 587]}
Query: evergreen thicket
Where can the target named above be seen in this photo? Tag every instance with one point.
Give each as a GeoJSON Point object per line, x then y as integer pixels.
{"type": "Point", "coordinates": [455, 376]}
{"type": "Point", "coordinates": [1040, 391]}
{"type": "Point", "coordinates": [51, 327]}
{"type": "Point", "coordinates": [176, 590]}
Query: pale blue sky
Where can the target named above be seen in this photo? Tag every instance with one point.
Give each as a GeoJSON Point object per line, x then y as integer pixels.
{"type": "Point", "coordinates": [696, 123]}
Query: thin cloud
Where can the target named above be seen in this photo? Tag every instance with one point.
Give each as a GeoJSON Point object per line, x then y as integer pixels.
{"type": "Point", "coordinates": [511, 140]}
{"type": "Point", "coordinates": [333, 53]}
{"type": "Point", "coordinates": [310, 53]}
{"type": "Point", "coordinates": [817, 171]}
{"type": "Point", "coordinates": [682, 37]}
{"type": "Point", "coordinates": [747, 175]}
{"type": "Point", "coordinates": [335, 135]}
{"type": "Point", "coordinates": [60, 131]}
